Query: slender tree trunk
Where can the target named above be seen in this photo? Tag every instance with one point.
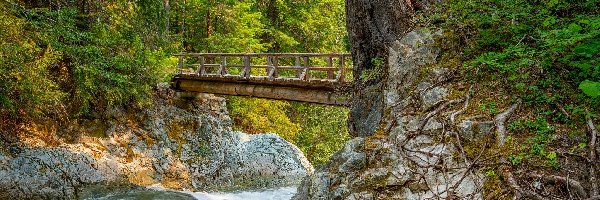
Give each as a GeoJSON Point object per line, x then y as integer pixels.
{"type": "Point", "coordinates": [167, 16]}
{"type": "Point", "coordinates": [373, 25]}
{"type": "Point", "coordinates": [209, 28]}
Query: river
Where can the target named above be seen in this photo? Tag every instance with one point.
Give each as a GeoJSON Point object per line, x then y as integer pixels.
{"type": "Point", "coordinates": [159, 193]}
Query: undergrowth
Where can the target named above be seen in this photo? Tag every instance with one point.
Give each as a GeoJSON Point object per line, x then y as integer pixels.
{"type": "Point", "coordinates": [544, 52]}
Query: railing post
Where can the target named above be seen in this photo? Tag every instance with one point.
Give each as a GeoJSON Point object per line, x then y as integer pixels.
{"type": "Point", "coordinates": [269, 68]}
{"type": "Point", "coordinates": [342, 70]}
{"type": "Point", "coordinates": [222, 69]}
{"type": "Point", "coordinates": [202, 69]}
{"type": "Point", "coordinates": [330, 65]}
{"type": "Point", "coordinates": [298, 71]}
{"type": "Point", "coordinates": [246, 71]}
{"type": "Point", "coordinates": [180, 65]}
{"type": "Point", "coordinates": [305, 71]}
{"type": "Point", "coordinates": [275, 67]}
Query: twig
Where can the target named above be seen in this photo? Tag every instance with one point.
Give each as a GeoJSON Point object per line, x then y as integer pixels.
{"type": "Point", "coordinates": [562, 109]}
{"type": "Point", "coordinates": [592, 157]}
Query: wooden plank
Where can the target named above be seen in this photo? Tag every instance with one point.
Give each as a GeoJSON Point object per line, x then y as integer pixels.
{"type": "Point", "coordinates": [265, 91]}
{"type": "Point", "coordinates": [290, 67]}
{"type": "Point", "coordinates": [331, 69]}
{"type": "Point", "coordinates": [321, 84]}
{"type": "Point", "coordinates": [305, 71]}
{"type": "Point", "coordinates": [275, 66]}
{"type": "Point", "coordinates": [299, 67]}
{"type": "Point", "coordinates": [271, 70]}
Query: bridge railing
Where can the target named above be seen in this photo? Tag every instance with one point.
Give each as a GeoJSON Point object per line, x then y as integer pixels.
{"type": "Point", "coordinates": [336, 67]}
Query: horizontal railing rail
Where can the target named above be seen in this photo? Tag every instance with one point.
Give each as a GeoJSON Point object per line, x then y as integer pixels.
{"type": "Point", "coordinates": [335, 67]}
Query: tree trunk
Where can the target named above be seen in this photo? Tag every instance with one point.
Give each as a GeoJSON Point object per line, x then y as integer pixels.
{"type": "Point", "coordinates": [373, 25]}
{"type": "Point", "coordinates": [209, 27]}
{"type": "Point", "coordinates": [167, 16]}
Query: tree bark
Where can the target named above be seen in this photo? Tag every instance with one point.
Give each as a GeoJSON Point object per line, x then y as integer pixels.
{"type": "Point", "coordinates": [167, 7]}
{"type": "Point", "coordinates": [373, 25]}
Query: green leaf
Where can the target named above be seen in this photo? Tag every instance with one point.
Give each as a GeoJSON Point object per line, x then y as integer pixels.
{"type": "Point", "coordinates": [574, 28]}
{"type": "Point", "coordinates": [590, 88]}
{"type": "Point", "coordinates": [588, 49]}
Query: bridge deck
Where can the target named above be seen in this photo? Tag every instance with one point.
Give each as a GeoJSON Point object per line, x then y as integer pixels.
{"type": "Point", "coordinates": [306, 77]}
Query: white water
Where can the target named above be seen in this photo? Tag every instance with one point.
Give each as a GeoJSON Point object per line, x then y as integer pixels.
{"type": "Point", "coordinates": [269, 194]}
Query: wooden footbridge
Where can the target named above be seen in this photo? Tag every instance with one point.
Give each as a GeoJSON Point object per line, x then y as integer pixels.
{"type": "Point", "coordinates": [305, 77]}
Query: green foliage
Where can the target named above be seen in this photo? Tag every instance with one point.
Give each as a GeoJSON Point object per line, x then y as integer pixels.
{"type": "Point", "coordinates": [375, 72]}
{"type": "Point", "coordinates": [590, 88]}
{"type": "Point", "coordinates": [543, 51]}
{"type": "Point", "coordinates": [262, 116]}
{"type": "Point", "coordinates": [25, 77]}
{"type": "Point", "coordinates": [273, 26]}
{"type": "Point", "coordinates": [546, 53]}
{"type": "Point", "coordinates": [62, 56]}
{"type": "Point", "coordinates": [536, 146]}
{"type": "Point", "coordinates": [323, 130]}
{"type": "Point", "coordinates": [81, 57]}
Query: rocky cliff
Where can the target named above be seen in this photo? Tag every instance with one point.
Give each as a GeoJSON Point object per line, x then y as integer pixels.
{"type": "Point", "coordinates": [414, 156]}
{"type": "Point", "coordinates": [178, 143]}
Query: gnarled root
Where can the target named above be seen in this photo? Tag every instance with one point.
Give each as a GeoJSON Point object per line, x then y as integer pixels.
{"type": "Point", "coordinates": [571, 183]}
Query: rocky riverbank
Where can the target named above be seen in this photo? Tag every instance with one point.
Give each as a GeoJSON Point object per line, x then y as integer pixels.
{"type": "Point", "coordinates": [178, 143]}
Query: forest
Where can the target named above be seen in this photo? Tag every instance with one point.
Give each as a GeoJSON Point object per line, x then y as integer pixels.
{"type": "Point", "coordinates": [68, 59]}
{"type": "Point", "coordinates": [65, 60]}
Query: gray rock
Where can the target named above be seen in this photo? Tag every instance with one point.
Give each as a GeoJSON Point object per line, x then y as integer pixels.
{"type": "Point", "coordinates": [434, 95]}
{"type": "Point", "coordinates": [474, 130]}
{"type": "Point", "coordinates": [179, 143]}
{"type": "Point", "coordinates": [405, 58]}
{"type": "Point", "coordinates": [360, 196]}
{"type": "Point", "coordinates": [409, 163]}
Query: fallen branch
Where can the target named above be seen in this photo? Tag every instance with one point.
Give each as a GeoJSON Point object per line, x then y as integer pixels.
{"type": "Point", "coordinates": [569, 182]}
{"type": "Point", "coordinates": [592, 157]}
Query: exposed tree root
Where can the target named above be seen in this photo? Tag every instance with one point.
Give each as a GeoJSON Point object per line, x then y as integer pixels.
{"type": "Point", "coordinates": [594, 198]}
{"type": "Point", "coordinates": [520, 191]}
{"type": "Point", "coordinates": [592, 157]}
{"type": "Point", "coordinates": [467, 98]}
{"type": "Point", "coordinates": [571, 183]}
{"type": "Point", "coordinates": [499, 121]}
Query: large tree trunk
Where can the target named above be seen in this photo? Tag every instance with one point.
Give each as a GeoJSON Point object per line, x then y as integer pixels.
{"type": "Point", "coordinates": [373, 25]}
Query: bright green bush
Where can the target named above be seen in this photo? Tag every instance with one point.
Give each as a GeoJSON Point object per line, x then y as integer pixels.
{"type": "Point", "coordinates": [26, 85]}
